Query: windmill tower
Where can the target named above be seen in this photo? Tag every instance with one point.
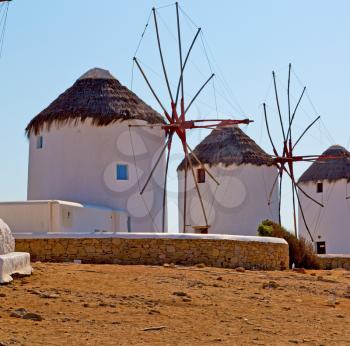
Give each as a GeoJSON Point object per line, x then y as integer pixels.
{"type": "Point", "coordinates": [239, 203]}
{"type": "Point", "coordinates": [81, 149]}
{"type": "Point", "coordinates": [328, 182]}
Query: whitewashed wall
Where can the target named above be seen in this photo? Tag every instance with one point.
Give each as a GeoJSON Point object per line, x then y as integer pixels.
{"type": "Point", "coordinates": [61, 216]}
{"type": "Point", "coordinates": [78, 163]}
{"type": "Point", "coordinates": [332, 222]}
{"type": "Point", "coordinates": [237, 205]}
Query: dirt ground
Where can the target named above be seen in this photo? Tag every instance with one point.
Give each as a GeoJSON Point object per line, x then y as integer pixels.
{"type": "Point", "coordinates": [83, 304]}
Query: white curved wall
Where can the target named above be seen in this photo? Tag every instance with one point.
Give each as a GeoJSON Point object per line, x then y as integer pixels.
{"type": "Point", "coordinates": [237, 206]}
{"type": "Point", "coordinates": [78, 163]}
{"type": "Point", "coordinates": [330, 223]}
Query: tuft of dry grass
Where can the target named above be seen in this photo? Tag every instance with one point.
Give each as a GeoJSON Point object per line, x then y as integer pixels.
{"type": "Point", "coordinates": [301, 252]}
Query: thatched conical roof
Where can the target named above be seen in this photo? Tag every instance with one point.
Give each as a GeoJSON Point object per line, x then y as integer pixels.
{"type": "Point", "coordinates": [98, 96]}
{"type": "Point", "coordinates": [329, 169]}
{"type": "Point", "coordinates": [228, 146]}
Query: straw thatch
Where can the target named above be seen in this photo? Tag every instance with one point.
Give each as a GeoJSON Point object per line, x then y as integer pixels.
{"type": "Point", "coordinates": [329, 169]}
{"type": "Point", "coordinates": [98, 96]}
{"type": "Point", "coordinates": [228, 146]}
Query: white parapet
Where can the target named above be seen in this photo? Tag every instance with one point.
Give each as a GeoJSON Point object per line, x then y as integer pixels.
{"type": "Point", "coordinates": [14, 263]}
{"type": "Point", "coordinates": [69, 235]}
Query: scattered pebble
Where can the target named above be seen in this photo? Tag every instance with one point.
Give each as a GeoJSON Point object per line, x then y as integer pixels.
{"type": "Point", "coordinates": [180, 294]}
{"type": "Point", "coordinates": [299, 270]}
{"type": "Point", "coordinates": [270, 284]}
{"type": "Point", "coordinates": [153, 328]}
{"type": "Point", "coordinates": [240, 270]}
{"type": "Point", "coordinates": [23, 313]}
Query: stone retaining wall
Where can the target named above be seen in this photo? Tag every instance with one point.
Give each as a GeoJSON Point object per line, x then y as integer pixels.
{"type": "Point", "coordinates": [264, 254]}
{"type": "Point", "coordinates": [334, 261]}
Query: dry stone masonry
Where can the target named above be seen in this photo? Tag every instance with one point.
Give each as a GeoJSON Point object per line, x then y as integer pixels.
{"type": "Point", "coordinates": [211, 251]}
{"type": "Point", "coordinates": [334, 261]}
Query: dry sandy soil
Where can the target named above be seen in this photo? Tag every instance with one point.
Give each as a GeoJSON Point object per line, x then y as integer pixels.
{"type": "Point", "coordinates": [144, 305]}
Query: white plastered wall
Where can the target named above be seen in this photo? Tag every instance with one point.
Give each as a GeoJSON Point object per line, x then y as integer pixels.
{"type": "Point", "coordinates": [61, 216]}
{"type": "Point", "coordinates": [237, 206]}
{"type": "Point", "coordinates": [330, 223]}
{"type": "Point", "coordinates": [78, 163]}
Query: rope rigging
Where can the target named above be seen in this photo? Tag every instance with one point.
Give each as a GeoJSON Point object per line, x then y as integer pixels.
{"type": "Point", "coordinates": [4, 6]}
{"type": "Point", "coordinates": [176, 123]}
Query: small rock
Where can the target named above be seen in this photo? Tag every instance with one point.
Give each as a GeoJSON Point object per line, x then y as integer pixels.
{"type": "Point", "coordinates": [270, 284]}
{"type": "Point", "coordinates": [180, 294]}
{"type": "Point", "coordinates": [200, 265]}
{"type": "Point", "coordinates": [340, 316]}
{"type": "Point", "coordinates": [153, 328]}
{"type": "Point", "coordinates": [32, 316]}
{"type": "Point", "coordinates": [86, 305]}
{"type": "Point", "coordinates": [49, 295]}
{"type": "Point", "coordinates": [293, 341]}
{"type": "Point", "coordinates": [186, 299]}
{"type": "Point", "coordinates": [240, 270]}
{"type": "Point", "coordinates": [219, 278]}
{"type": "Point", "coordinates": [18, 313]}
{"type": "Point", "coordinates": [299, 270]}
{"type": "Point", "coordinates": [2, 295]}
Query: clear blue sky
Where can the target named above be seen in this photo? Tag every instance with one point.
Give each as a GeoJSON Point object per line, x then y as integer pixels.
{"type": "Point", "coordinates": [49, 44]}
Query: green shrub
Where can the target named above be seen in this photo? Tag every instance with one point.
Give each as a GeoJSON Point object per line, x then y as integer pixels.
{"type": "Point", "coordinates": [301, 252]}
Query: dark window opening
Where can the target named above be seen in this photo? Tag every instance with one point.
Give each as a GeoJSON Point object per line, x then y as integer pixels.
{"type": "Point", "coordinates": [321, 247]}
{"type": "Point", "coordinates": [200, 175]}
{"type": "Point", "coordinates": [319, 187]}
{"type": "Point", "coordinates": [39, 142]}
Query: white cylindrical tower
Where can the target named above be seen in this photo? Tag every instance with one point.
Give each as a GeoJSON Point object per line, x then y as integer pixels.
{"type": "Point", "coordinates": [327, 181]}
{"type": "Point", "coordinates": [246, 175]}
{"type": "Point", "coordinates": [82, 149]}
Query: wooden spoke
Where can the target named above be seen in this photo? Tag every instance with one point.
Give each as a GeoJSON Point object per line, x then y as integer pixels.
{"type": "Point", "coordinates": [161, 55]}
{"type": "Point", "coordinates": [278, 105]}
{"type": "Point", "coordinates": [155, 166]}
{"type": "Point", "coordinates": [268, 131]}
{"type": "Point", "coordinates": [165, 182]}
{"type": "Point", "coordinates": [184, 65]}
{"type": "Point", "coordinates": [152, 90]}
{"type": "Point", "coordinates": [294, 112]}
{"type": "Point", "coordinates": [302, 213]}
{"type": "Point", "coordinates": [198, 92]}
{"type": "Point", "coordinates": [180, 52]}
{"type": "Point", "coordinates": [307, 129]}
{"type": "Point", "coordinates": [302, 190]}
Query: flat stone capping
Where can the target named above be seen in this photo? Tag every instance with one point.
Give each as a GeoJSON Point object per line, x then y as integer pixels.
{"type": "Point", "coordinates": [55, 235]}
{"type": "Point", "coordinates": [332, 261]}
{"type": "Point", "coordinates": [157, 248]}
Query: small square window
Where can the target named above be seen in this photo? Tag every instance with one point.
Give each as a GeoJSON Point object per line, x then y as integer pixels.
{"type": "Point", "coordinates": [200, 175]}
{"type": "Point", "coordinates": [319, 188]}
{"type": "Point", "coordinates": [122, 172]}
{"type": "Point", "coordinates": [39, 142]}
